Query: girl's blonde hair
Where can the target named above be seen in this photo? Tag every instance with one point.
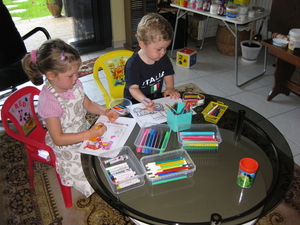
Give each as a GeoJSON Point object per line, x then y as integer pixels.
{"type": "Point", "coordinates": [154, 27]}
{"type": "Point", "coordinates": [54, 55]}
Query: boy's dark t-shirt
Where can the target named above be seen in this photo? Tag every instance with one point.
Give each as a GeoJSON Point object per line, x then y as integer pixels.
{"type": "Point", "coordinates": [149, 78]}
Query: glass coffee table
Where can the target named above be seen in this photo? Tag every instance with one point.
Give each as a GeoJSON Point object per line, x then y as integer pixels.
{"type": "Point", "coordinates": [213, 187]}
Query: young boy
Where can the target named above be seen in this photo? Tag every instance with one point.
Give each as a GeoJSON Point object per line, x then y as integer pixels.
{"type": "Point", "coordinates": [148, 68]}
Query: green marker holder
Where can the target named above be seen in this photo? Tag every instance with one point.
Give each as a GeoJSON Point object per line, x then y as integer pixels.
{"type": "Point", "coordinates": [179, 117]}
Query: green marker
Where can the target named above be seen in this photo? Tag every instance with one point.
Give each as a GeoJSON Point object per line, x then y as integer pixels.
{"type": "Point", "coordinates": [168, 180]}
{"type": "Point", "coordinates": [164, 144]}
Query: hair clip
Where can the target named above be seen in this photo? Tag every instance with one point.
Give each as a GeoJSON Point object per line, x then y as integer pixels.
{"type": "Point", "coordinates": [33, 56]}
{"type": "Point", "coordinates": [62, 56]}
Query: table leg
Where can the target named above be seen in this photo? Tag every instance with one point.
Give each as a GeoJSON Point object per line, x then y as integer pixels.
{"type": "Point", "coordinates": [239, 125]}
{"type": "Point", "coordinates": [236, 59]}
{"type": "Point", "coordinates": [283, 73]}
{"type": "Point", "coordinates": [178, 16]}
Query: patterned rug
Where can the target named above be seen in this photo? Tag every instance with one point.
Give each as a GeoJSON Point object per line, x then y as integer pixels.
{"type": "Point", "coordinates": [87, 67]}
{"type": "Point", "coordinates": [19, 204]}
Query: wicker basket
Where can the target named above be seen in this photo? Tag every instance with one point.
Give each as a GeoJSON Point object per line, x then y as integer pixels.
{"type": "Point", "coordinates": [225, 40]}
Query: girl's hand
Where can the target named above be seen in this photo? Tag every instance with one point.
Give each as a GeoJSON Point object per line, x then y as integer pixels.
{"type": "Point", "coordinates": [112, 115]}
{"type": "Point", "coordinates": [98, 130]}
{"type": "Point", "coordinates": [172, 93]}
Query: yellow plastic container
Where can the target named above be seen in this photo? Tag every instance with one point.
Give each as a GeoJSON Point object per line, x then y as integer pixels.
{"type": "Point", "coordinates": [214, 111]}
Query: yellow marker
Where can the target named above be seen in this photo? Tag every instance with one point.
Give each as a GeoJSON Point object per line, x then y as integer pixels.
{"type": "Point", "coordinates": [99, 126]}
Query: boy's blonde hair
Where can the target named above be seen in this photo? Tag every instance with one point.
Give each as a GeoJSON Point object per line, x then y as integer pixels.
{"type": "Point", "coordinates": [154, 27]}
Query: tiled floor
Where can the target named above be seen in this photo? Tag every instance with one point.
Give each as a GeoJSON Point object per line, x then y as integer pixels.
{"type": "Point", "coordinates": [214, 73]}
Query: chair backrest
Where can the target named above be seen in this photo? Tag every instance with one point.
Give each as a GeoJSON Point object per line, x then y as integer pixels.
{"type": "Point", "coordinates": [12, 47]}
{"type": "Point", "coordinates": [19, 109]}
{"type": "Point", "coordinates": [113, 64]}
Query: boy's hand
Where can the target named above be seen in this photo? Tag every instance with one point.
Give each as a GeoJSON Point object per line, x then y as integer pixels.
{"type": "Point", "coordinates": [149, 104]}
{"type": "Point", "coordinates": [172, 93]}
{"type": "Point", "coordinates": [112, 115]}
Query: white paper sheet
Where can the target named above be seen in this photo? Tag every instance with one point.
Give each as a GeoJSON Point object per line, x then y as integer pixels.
{"type": "Point", "coordinates": [115, 137]}
{"type": "Point", "coordinates": [142, 114]}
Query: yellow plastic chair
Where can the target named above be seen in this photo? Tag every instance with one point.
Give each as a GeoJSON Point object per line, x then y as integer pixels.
{"type": "Point", "coordinates": [113, 65]}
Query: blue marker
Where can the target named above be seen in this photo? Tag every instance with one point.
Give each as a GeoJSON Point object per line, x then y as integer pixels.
{"type": "Point", "coordinates": [156, 109]}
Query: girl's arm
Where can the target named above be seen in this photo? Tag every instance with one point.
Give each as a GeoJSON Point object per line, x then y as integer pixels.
{"type": "Point", "coordinates": [60, 138]}
{"type": "Point", "coordinates": [95, 108]}
{"type": "Point", "coordinates": [169, 81]}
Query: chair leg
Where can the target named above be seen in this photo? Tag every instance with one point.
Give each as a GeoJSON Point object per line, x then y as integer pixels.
{"type": "Point", "coordinates": [66, 193]}
{"type": "Point", "coordinates": [31, 172]}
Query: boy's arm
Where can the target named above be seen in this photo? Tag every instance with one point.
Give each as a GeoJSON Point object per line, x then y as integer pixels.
{"type": "Point", "coordinates": [137, 93]}
{"type": "Point", "coordinates": [139, 96]}
{"type": "Point", "coordinates": [169, 81]}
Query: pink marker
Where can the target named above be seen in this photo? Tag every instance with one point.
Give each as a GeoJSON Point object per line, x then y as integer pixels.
{"type": "Point", "coordinates": [139, 149]}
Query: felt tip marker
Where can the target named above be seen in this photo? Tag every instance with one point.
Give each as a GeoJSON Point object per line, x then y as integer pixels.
{"type": "Point", "coordinates": [115, 160]}
{"type": "Point", "coordinates": [168, 180]}
{"type": "Point", "coordinates": [156, 109]}
{"type": "Point", "coordinates": [144, 137]}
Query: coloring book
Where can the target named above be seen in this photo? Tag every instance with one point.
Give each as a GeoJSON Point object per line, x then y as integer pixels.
{"type": "Point", "coordinates": [143, 115]}
{"type": "Point", "coordinates": [115, 136]}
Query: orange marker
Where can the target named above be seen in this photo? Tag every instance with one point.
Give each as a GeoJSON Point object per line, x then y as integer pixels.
{"type": "Point", "coordinates": [99, 126]}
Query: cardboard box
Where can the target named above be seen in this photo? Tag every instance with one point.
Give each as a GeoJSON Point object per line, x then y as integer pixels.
{"type": "Point", "coordinates": [196, 27]}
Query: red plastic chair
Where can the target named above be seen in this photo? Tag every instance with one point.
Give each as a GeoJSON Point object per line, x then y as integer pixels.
{"type": "Point", "coordinates": [19, 109]}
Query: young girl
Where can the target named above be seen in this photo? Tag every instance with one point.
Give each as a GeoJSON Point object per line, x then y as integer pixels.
{"type": "Point", "coordinates": [63, 106]}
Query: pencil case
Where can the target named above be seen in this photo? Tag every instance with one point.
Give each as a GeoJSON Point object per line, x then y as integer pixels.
{"type": "Point", "coordinates": [199, 137]}
{"type": "Point", "coordinates": [168, 167]}
{"type": "Point", "coordinates": [153, 138]}
{"type": "Point", "coordinates": [122, 169]}
{"type": "Point", "coordinates": [214, 111]}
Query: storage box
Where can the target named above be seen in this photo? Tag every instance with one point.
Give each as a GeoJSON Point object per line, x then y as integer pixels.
{"type": "Point", "coordinates": [153, 138]}
{"type": "Point", "coordinates": [122, 169]}
{"type": "Point", "coordinates": [168, 166]}
{"type": "Point", "coordinates": [196, 27]}
{"type": "Point", "coordinates": [186, 57]}
{"type": "Point", "coordinates": [199, 137]}
{"type": "Point", "coordinates": [181, 118]}
{"type": "Point", "coordinates": [214, 111]}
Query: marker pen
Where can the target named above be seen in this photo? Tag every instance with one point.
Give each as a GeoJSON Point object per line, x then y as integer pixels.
{"type": "Point", "coordinates": [115, 160]}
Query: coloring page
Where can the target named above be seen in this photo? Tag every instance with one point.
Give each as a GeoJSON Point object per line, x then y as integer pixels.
{"type": "Point", "coordinates": [115, 137]}
{"type": "Point", "coordinates": [143, 115]}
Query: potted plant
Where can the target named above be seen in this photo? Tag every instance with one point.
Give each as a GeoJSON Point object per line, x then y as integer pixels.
{"type": "Point", "coordinates": [55, 7]}
{"type": "Point", "coordinates": [250, 48]}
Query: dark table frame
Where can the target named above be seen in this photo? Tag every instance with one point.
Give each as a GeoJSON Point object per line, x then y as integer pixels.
{"type": "Point", "coordinates": [234, 120]}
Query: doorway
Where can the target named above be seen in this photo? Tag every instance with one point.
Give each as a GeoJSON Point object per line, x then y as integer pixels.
{"type": "Point", "coordinates": [91, 23]}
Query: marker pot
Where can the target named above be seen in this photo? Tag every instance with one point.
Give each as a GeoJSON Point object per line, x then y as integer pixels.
{"type": "Point", "coordinates": [179, 117]}
{"type": "Point", "coordinates": [247, 172]}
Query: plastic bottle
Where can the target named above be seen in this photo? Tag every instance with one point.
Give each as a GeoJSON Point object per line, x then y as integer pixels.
{"type": "Point", "coordinates": [199, 4]}
{"type": "Point", "coordinates": [206, 5]}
